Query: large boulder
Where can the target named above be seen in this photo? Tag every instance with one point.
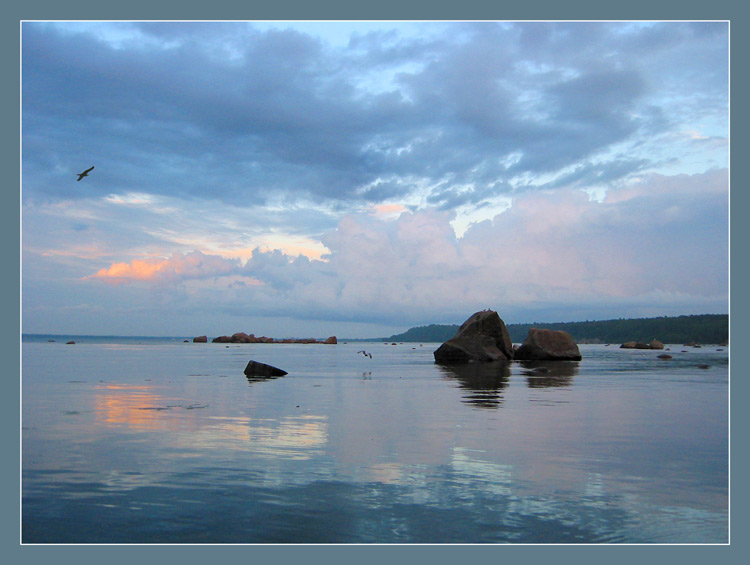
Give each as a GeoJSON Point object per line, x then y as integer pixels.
{"type": "Point", "coordinates": [256, 369]}
{"type": "Point", "coordinates": [483, 337]}
{"type": "Point", "coordinates": [548, 345]}
{"type": "Point", "coordinates": [200, 339]}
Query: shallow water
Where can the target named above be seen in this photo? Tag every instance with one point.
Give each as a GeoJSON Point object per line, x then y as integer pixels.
{"type": "Point", "coordinates": [168, 442]}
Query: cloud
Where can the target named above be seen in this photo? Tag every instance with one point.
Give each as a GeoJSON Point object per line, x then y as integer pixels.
{"type": "Point", "coordinates": [228, 112]}
{"type": "Point", "coordinates": [406, 174]}
{"type": "Point", "coordinates": [179, 267]}
{"type": "Point", "coordinates": [551, 248]}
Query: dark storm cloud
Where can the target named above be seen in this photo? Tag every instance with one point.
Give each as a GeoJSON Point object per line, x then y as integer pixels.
{"type": "Point", "coordinates": [225, 111]}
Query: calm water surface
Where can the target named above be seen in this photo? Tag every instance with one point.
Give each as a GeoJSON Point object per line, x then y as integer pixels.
{"type": "Point", "coordinates": [167, 442]}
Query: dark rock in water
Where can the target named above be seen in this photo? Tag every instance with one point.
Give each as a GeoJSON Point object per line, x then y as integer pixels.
{"type": "Point", "coordinates": [70, 343]}
{"type": "Point", "coordinates": [635, 345]}
{"type": "Point", "coordinates": [222, 339]}
{"type": "Point", "coordinates": [703, 366]}
{"type": "Point", "coordinates": [200, 339]}
{"type": "Point", "coordinates": [655, 344]}
{"type": "Point", "coordinates": [483, 337]}
{"type": "Point", "coordinates": [548, 344]}
{"type": "Point", "coordinates": [331, 340]}
{"type": "Point", "coordinates": [255, 369]}
{"type": "Point", "coordinates": [664, 356]}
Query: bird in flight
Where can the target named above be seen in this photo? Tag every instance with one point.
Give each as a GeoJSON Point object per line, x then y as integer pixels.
{"type": "Point", "coordinates": [85, 173]}
{"type": "Point", "coordinates": [365, 354]}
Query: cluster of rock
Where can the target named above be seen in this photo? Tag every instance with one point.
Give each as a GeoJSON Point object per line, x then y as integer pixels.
{"type": "Point", "coordinates": [653, 344]}
{"type": "Point", "coordinates": [242, 337]}
{"type": "Point", "coordinates": [484, 338]}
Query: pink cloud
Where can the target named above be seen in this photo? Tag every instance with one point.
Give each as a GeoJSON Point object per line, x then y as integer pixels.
{"type": "Point", "coordinates": [191, 265]}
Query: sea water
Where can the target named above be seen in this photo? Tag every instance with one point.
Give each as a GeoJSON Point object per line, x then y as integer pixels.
{"type": "Point", "coordinates": [161, 441]}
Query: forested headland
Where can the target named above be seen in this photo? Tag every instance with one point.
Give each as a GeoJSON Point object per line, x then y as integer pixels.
{"type": "Point", "coordinates": [704, 328]}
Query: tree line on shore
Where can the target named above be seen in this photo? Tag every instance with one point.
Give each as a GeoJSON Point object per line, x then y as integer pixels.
{"type": "Point", "coordinates": [703, 328]}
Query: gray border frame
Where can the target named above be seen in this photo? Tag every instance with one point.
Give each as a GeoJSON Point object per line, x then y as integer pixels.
{"type": "Point", "coordinates": [723, 10]}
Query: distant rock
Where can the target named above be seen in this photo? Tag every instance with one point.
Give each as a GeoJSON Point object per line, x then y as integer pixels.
{"type": "Point", "coordinates": [655, 344]}
{"type": "Point", "coordinates": [635, 345]}
{"type": "Point", "coordinates": [331, 340]}
{"type": "Point", "coordinates": [222, 339]}
{"type": "Point", "coordinates": [664, 356]}
{"type": "Point", "coordinates": [483, 337]}
{"type": "Point", "coordinates": [240, 337]}
{"type": "Point", "coordinates": [200, 339]}
{"type": "Point", "coordinates": [70, 343]}
{"type": "Point", "coordinates": [255, 369]}
{"type": "Point", "coordinates": [548, 344]}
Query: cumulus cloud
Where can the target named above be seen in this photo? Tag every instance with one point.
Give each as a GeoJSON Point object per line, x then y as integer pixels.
{"type": "Point", "coordinates": [641, 246]}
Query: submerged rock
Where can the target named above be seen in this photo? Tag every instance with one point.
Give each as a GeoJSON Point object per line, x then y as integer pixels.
{"type": "Point", "coordinates": [483, 337]}
{"type": "Point", "coordinates": [548, 344]}
{"type": "Point", "coordinates": [256, 369]}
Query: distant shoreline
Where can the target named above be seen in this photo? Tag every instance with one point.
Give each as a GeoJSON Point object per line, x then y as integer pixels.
{"type": "Point", "coordinates": [700, 328]}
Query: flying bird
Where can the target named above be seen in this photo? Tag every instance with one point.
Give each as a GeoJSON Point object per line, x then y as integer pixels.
{"type": "Point", "coordinates": [85, 173]}
{"type": "Point", "coordinates": [365, 354]}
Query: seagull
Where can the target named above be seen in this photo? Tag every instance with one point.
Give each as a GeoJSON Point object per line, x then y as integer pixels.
{"type": "Point", "coordinates": [85, 173]}
{"type": "Point", "coordinates": [365, 354]}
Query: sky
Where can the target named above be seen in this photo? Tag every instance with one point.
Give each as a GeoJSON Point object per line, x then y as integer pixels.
{"type": "Point", "coordinates": [308, 179]}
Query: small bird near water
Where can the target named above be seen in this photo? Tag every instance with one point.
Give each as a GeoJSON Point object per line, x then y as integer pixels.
{"type": "Point", "coordinates": [365, 354]}
{"type": "Point", "coordinates": [85, 173]}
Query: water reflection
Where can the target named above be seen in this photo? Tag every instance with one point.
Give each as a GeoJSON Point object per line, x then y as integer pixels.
{"type": "Point", "coordinates": [135, 406]}
{"type": "Point", "coordinates": [543, 374]}
{"type": "Point", "coordinates": [291, 437]}
{"type": "Point", "coordinates": [260, 378]}
{"type": "Point", "coordinates": [485, 382]}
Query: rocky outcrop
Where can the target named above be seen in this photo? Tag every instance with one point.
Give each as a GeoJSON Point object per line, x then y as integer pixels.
{"type": "Point", "coordinates": [483, 337]}
{"type": "Point", "coordinates": [331, 340]}
{"type": "Point", "coordinates": [256, 369]}
{"type": "Point", "coordinates": [554, 345]}
{"type": "Point", "coordinates": [242, 337]}
{"type": "Point", "coordinates": [200, 339]}
{"type": "Point", "coordinates": [655, 344]}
